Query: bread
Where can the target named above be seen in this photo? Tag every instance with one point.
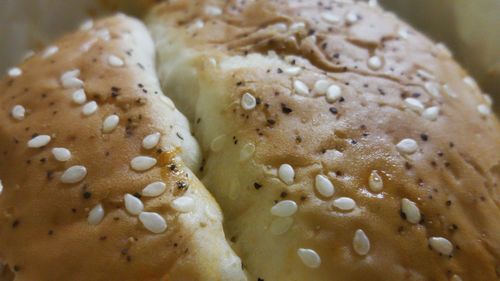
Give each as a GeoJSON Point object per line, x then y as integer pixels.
{"type": "Point", "coordinates": [52, 227]}
{"type": "Point", "coordinates": [340, 143]}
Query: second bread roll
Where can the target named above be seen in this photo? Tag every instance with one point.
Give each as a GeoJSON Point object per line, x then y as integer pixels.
{"type": "Point", "coordinates": [340, 143]}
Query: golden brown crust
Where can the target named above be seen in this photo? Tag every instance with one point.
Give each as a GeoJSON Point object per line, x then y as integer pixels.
{"type": "Point", "coordinates": [46, 234]}
{"type": "Point", "coordinates": [452, 177]}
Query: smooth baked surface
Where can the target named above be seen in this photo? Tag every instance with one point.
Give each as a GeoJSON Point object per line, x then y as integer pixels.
{"type": "Point", "coordinates": [402, 110]}
{"type": "Point", "coordinates": [51, 229]}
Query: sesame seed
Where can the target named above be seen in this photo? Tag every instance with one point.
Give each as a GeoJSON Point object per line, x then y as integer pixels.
{"type": "Point", "coordinates": [375, 182]}
{"type": "Point", "coordinates": [333, 93]}
{"type": "Point", "coordinates": [196, 25]}
{"type": "Point", "coordinates": [292, 70]}
{"type": "Point", "coordinates": [79, 96]}
{"type": "Point", "coordinates": [426, 74]}
{"type": "Point", "coordinates": [69, 79]}
{"type": "Point", "coordinates": [1, 187]}
{"type": "Point", "coordinates": [375, 63]}
{"type": "Point", "coordinates": [151, 141]}
{"type": "Point", "coordinates": [89, 108]}
{"type": "Point", "coordinates": [247, 151]}
{"type": "Point", "coordinates": [14, 72]}
{"type": "Point", "coordinates": [414, 104]}
{"type": "Point", "coordinates": [309, 257]}
{"type": "Point", "coordinates": [403, 33]}
{"type": "Point", "coordinates": [431, 113]}
{"type": "Point", "coordinates": [115, 61]}
{"type": "Point", "coordinates": [484, 110]}
{"type": "Point", "coordinates": [297, 26]}
{"type": "Point", "coordinates": [213, 10]}
{"type": "Point", "coordinates": [300, 88]}
{"type": "Point", "coordinates": [351, 18]}
{"type": "Point", "coordinates": [281, 27]}
{"type": "Point", "coordinates": [87, 25]}
{"type": "Point", "coordinates": [456, 278]}
{"type": "Point", "coordinates": [39, 141]}
{"type": "Point", "coordinates": [96, 215]}
{"type": "Point", "coordinates": [411, 211]}
{"type": "Point", "coordinates": [280, 225]}
{"type": "Point", "coordinates": [74, 174]}
{"type": "Point", "coordinates": [324, 186]}
{"type": "Point", "coordinates": [133, 205]}
{"type": "Point", "coordinates": [218, 143]}
{"type": "Point", "coordinates": [153, 222]}
{"type": "Point", "coordinates": [248, 101]}
{"type": "Point", "coordinates": [441, 245]}
{"type": "Point", "coordinates": [361, 243]}
{"type": "Point", "coordinates": [344, 203]}
{"type": "Point", "coordinates": [470, 82]}
{"type": "Point", "coordinates": [154, 189]}
{"type": "Point", "coordinates": [28, 55]}
{"type": "Point", "coordinates": [286, 173]}
{"type": "Point", "coordinates": [447, 89]}
{"type": "Point", "coordinates": [49, 51]}
{"type": "Point", "coordinates": [443, 50]}
{"type": "Point", "coordinates": [284, 208]}
{"type": "Point", "coordinates": [488, 99]}
{"type": "Point", "coordinates": [183, 204]}
{"type": "Point", "coordinates": [103, 33]}
{"type": "Point", "coordinates": [85, 47]}
{"type": "Point", "coordinates": [142, 163]}
{"type": "Point", "coordinates": [18, 112]}
{"type": "Point", "coordinates": [433, 88]}
{"type": "Point", "coordinates": [330, 18]}
{"type": "Point", "coordinates": [321, 86]}
{"type": "Point", "coordinates": [407, 146]}
{"type": "Point", "coordinates": [110, 123]}
{"type": "Point", "coordinates": [212, 62]}
{"type": "Point", "coordinates": [61, 154]}
{"type": "Point", "coordinates": [212, 213]}
{"type": "Point", "coordinates": [72, 82]}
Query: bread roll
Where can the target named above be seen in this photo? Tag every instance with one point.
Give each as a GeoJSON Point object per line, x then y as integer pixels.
{"type": "Point", "coordinates": [340, 143]}
{"type": "Point", "coordinates": [74, 203]}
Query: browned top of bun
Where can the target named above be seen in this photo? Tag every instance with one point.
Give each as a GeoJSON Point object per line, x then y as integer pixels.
{"type": "Point", "coordinates": [446, 174]}
{"type": "Point", "coordinates": [45, 233]}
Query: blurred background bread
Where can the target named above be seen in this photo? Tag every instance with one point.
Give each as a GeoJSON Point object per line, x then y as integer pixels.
{"type": "Point", "coordinates": [466, 27]}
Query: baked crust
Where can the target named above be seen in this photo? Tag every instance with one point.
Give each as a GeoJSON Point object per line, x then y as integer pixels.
{"type": "Point", "coordinates": [46, 233]}
{"type": "Point", "coordinates": [440, 183]}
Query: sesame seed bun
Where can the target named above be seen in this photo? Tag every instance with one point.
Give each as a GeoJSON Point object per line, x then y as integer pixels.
{"type": "Point", "coordinates": [340, 143]}
{"type": "Point", "coordinates": [74, 204]}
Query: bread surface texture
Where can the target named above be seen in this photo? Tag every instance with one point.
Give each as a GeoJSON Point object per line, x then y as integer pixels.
{"type": "Point", "coordinates": [86, 128]}
{"type": "Point", "coordinates": [340, 143]}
